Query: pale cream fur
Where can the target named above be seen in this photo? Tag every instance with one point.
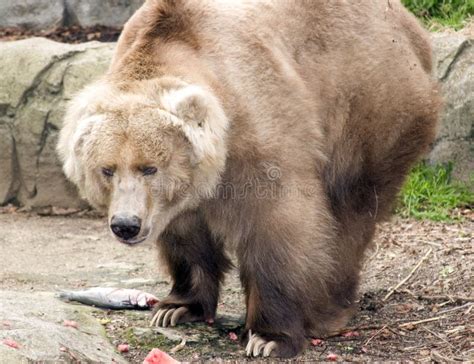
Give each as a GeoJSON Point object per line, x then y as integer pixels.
{"type": "Point", "coordinates": [177, 107]}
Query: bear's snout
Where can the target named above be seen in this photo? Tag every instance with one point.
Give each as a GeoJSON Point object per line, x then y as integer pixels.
{"type": "Point", "coordinates": [125, 227]}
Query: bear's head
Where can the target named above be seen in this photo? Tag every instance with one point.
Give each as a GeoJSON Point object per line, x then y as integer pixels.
{"type": "Point", "coordinates": [144, 152]}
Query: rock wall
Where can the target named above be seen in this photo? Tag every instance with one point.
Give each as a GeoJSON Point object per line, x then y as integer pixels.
{"type": "Point", "coordinates": [455, 70]}
{"type": "Point", "coordinates": [47, 14]}
{"type": "Point", "coordinates": [38, 76]}
{"type": "Point", "coordinates": [32, 14]}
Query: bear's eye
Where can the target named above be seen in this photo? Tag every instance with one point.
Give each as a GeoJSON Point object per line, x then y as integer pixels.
{"type": "Point", "coordinates": [107, 172]}
{"type": "Point", "coordinates": [148, 171]}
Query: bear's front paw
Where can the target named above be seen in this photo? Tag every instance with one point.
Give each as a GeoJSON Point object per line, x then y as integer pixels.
{"type": "Point", "coordinates": [172, 314]}
{"type": "Point", "coordinates": [169, 316]}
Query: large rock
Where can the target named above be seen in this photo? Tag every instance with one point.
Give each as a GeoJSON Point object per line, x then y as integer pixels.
{"type": "Point", "coordinates": [48, 14]}
{"type": "Point", "coordinates": [38, 77]}
{"type": "Point", "coordinates": [112, 13]}
{"type": "Point", "coordinates": [455, 69]}
{"type": "Point", "coordinates": [7, 164]}
{"type": "Point", "coordinates": [36, 322]}
{"type": "Point", "coordinates": [32, 14]}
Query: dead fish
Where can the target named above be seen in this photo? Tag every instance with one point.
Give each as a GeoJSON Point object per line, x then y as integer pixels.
{"type": "Point", "coordinates": [113, 298]}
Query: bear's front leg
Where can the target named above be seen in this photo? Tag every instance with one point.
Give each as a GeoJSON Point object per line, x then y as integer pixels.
{"type": "Point", "coordinates": [196, 262]}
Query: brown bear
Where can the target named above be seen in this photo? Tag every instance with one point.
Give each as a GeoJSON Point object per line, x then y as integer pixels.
{"type": "Point", "coordinates": [279, 130]}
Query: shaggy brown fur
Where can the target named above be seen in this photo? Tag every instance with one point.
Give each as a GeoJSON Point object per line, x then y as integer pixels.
{"type": "Point", "coordinates": [281, 129]}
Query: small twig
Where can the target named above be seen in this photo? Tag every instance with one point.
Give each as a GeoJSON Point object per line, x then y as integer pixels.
{"type": "Point", "coordinates": [468, 311]}
{"type": "Point", "coordinates": [455, 330]}
{"type": "Point", "coordinates": [434, 244]}
{"type": "Point", "coordinates": [442, 304]}
{"type": "Point", "coordinates": [403, 281]}
{"type": "Point", "coordinates": [438, 336]}
{"type": "Point", "coordinates": [440, 358]}
{"type": "Point", "coordinates": [349, 329]}
{"type": "Point", "coordinates": [456, 308]}
{"type": "Point", "coordinates": [410, 293]}
{"type": "Point", "coordinates": [399, 333]}
{"type": "Point", "coordinates": [414, 323]}
{"type": "Point", "coordinates": [416, 347]}
{"type": "Point", "coordinates": [178, 347]}
{"type": "Point", "coordinates": [374, 335]}
{"type": "Point", "coordinates": [401, 325]}
{"type": "Point", "coordinates": [451, 298]}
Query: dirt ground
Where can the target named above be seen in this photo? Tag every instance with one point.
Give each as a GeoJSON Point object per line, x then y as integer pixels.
{"type": "Point", "coordinates": [74, 34]}
{"type": "Point", "coordinates": [428, 318]}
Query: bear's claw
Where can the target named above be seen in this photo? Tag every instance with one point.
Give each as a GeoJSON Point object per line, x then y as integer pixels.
{"type": "Point", "coordinates": [256, 344]}
{"type": "Point", "coordinates": [167, 316]}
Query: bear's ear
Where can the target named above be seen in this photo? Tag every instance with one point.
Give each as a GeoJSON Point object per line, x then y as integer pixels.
{"type": "Point", "coordinates": [190, 103]}
{"type": "Point", "coordinates": [80, 118]}
{"type": "Point", "coordinates": [200, 116]}
{"type": "Point", "coordinates": [71, 147]}
{"type": "Point", "coordinates": [75, 140]}
{"type": "Point", "coordinates": [202, 119]}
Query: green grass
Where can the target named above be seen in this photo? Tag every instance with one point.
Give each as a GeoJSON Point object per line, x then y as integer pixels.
{"type": "Point", "coordinates": [442, 13]}
{"type": "Point", "coordinates": [430, 193]}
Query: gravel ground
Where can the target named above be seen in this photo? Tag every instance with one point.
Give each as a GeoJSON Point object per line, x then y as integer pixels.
{"type": "Point", "coordinates": [427, 318]}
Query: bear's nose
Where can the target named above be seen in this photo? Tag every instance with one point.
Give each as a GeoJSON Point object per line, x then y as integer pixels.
{"type": "Point", "coordinates": [125, 227]}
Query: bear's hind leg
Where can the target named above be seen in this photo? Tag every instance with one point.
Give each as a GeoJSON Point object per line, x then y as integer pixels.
{"type": "Point", "coordinates": [290, 269]}
{"type": "Point", "coordinates": [197, 263]}
{"type": "Point", "coordinates": [284, 266]}
{"type": "Point", "coordinates": [275, 318]}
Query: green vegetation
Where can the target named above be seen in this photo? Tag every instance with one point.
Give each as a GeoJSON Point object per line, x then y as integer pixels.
{"type": "Point", "coordinates": [429, 193]}
{"type": "Point", "coordinates": [442, 13]}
